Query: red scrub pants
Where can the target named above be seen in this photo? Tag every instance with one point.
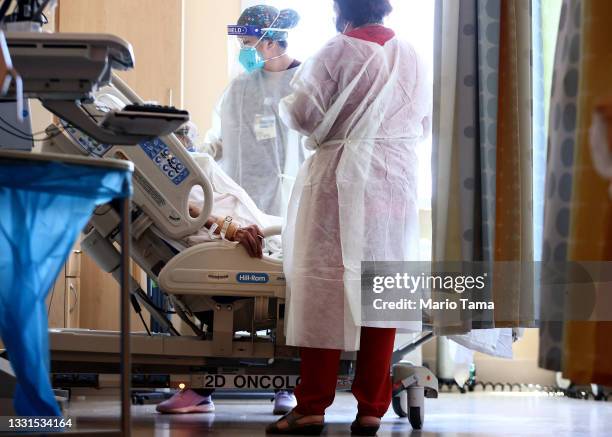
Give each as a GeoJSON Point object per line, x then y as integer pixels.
{"type": "Point", "coordinates": [372, 384]}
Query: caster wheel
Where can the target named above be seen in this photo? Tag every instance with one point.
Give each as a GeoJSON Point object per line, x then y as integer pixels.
{"type": "Point", "coordinates": [399, 404]}
{"type": "Point", "coordinates": [415, 417]}
{"type": "Point", "coordinates": [598, 393]}
{"type": "Point", "coordinates": [562, 382]}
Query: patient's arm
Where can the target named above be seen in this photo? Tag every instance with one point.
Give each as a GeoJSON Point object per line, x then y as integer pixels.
{"type": "Point", "coordinates": [250, 237]}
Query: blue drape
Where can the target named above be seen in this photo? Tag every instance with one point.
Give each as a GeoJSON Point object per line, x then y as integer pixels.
{"type": "Point", "coordinates": [43, 208]}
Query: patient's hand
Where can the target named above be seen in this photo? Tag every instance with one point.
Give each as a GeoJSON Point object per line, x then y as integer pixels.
{"type": "Point", "coordinates": [251, 238]}
{"type": "Point", "coordinates": [194, 211]}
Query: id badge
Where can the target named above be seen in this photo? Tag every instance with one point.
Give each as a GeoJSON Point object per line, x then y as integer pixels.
{"type": "Point", "coordinates": [265, 127]}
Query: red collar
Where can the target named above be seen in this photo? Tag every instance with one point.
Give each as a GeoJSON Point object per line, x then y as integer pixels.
{"type": "Point", "coordinates": [373, 33]}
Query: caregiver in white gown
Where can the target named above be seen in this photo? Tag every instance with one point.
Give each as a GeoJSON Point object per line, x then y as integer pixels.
{"type": "Point", "coordinates": [363, 102]}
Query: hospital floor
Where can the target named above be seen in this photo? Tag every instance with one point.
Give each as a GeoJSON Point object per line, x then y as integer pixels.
{"type": "Point", "coordinates": [452, 414]}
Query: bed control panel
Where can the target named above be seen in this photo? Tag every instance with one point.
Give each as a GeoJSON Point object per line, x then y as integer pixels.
{"type": "Point", "coordinates": [88, 144]}
{"type": "Point", "coordinates": [169, 164]}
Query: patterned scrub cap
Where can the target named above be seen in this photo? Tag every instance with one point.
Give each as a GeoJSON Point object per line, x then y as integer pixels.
{"type": "Point", "coordinates": [265, 16]}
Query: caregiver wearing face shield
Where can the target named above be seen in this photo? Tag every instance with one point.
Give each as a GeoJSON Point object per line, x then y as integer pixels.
{"type": "Point", "coordinates": [252, 144]}
{"type": "Point", "coordinates": [363, 102]}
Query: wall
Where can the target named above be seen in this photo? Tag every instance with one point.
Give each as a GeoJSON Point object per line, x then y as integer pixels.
{"type": "Point", "coordinates": [152, 27]}
{"type": "Point", "coordinates": [206, 56]}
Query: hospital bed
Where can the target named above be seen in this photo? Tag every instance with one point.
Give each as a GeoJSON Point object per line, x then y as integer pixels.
{"type": "Point", "coordinates": [246, 295]}
{"type": "Point", "coordinates": [246, 346]}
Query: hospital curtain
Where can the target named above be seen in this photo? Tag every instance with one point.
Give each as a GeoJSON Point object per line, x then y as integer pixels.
{"type": "Point", "coordinates": [465, 130]}
{"type": "Point", "coordinates": [484, 141]}
{"type": "Point", "coordinates": [545, 26]}
{"type": "Point", "coordinates": [454, 204]}
{"type": "Point", "coordinates": [559, 175]}
{"type": "Point", "coordinates": [514, 177]}
{"type": "Point", "coordinates": [464, 153]}
{"type": "Point", "coordinates": [585, 355]}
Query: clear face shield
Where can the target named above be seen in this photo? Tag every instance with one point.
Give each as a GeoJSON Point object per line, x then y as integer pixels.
{"type": "Point", "coordinates": [248, 43]}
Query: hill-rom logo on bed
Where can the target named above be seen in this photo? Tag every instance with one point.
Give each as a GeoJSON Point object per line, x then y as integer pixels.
{"type": "Point", "coordinates": [252, 278]}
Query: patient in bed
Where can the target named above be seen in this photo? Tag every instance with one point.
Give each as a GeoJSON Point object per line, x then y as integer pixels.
{"type": "Point", "coordinates": [230, 200]}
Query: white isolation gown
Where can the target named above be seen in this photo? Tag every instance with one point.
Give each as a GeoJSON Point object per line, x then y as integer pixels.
{"type": "Point", "coordinates": [253, 146]}
{"type": "Point", "coordinates": [365, 110]}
